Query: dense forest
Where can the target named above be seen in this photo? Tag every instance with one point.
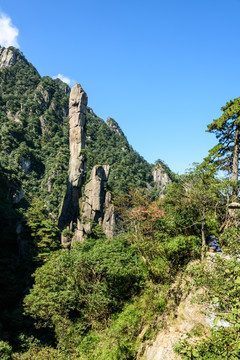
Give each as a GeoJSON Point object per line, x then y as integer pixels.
{"type": "Point", "coordinates": [108, 298]}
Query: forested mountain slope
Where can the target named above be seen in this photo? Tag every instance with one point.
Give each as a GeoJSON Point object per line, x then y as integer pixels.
{"type": "Point", "coordinates": [34, 158]}
{"type": "Point", "coordinates": [34, 136]}
{"type": "Point", "coordinates": [105, 298]}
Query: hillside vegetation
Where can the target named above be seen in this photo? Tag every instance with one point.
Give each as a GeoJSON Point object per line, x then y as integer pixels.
{"type": "Point", "coordinates": [107, 299]}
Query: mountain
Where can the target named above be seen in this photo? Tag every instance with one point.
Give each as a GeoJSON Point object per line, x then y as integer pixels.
{"type": "Point", "coordinates": [34, 133]}
{"type": "Point", "coordinates": [103, 255]}
{"type": "Point", "coordinates": [34, 136]}
{"type": "Point", "coordinates": [34, 160]}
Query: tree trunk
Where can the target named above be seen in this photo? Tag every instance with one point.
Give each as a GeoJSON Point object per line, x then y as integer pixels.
{"type": "Point", "coordinates": [203, 236]}
{"type": "Point", "coordinates": [235, 164]}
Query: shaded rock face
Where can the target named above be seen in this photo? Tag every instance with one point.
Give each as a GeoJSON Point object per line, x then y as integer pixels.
{"type": "Point", "coordinates": [77, 163]}
{"type": "Point", "coordinates": [7, 58]}
{"type": "Point", "coordinates": [110, 217]}
{"type": "Point", "coordinates": [26, 165]}
{"type": "Point", "coordinates": [18, 196]}
{"type": "Point", "coordinates": [160, 178]}
{"type": "Point", "coordinates": [96, 205]}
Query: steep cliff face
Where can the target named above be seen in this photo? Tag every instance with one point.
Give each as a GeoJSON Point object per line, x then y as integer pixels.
{"type": "Point", "coordinates": [7, 57]}
{"type": "Point", "coordinates": [77, 135]}
{"type": "Point", "coordinates": [160, 178]}
{"type": "Point", "coordinates": [96, 205]}
{"type": "Point", "coordinates": [77, 163]}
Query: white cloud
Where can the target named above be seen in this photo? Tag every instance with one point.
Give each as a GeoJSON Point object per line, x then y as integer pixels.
{"type": "Point", "coordinates": [63, 78]}
{"type": "Point", "coordinates": [8, 32]}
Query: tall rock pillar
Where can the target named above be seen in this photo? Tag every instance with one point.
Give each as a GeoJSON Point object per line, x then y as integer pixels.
{"type": "Point", "coordinates": [77, 163]}
{"type": "Point", "coordinates": [96, 206]}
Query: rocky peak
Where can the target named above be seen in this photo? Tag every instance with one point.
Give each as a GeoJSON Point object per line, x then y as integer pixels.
{"type": "Point", "coordinates": [8, 57]}
{"type": "Point", "coordinates": [91, 112]}
{"type": "Point", "coordinates": [77, 135]}
{"type": "Point", "coordinates": [63, 86]}
{"type": "Point", "coordinates": [160, 178]}
{"type": "Point", "coordinates": [113, 125]}
{"type": "Point", "coordinates": [77, 162]}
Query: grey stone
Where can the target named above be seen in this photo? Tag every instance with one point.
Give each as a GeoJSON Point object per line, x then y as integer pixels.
{"type": "Point", "coordinates": [113, 125]}
{"type": "Point", "coordinates": [96, 205]}
{"type": "Point", "coordinates": [7, 58]}
{"type": "Point", "coordinates": [160, 178]}
{"type": "Point", "coordinates": [77, 162]}
{"type": "Point", "coordinates": [25, 165]}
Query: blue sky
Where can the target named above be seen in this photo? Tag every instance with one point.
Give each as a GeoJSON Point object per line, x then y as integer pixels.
{"type": "Point", "coordinates": [161, 69]}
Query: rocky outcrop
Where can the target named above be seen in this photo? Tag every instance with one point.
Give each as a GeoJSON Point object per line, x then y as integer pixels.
{"type": "Point", "coordinates": [188, 316]}
{"type": "Point", "coordinates": [77, 135]}
{"type": "Point", "coordinates": [7, 57]}
{"type": "Point", "coordinates": [96, 205]}
{"type": "Point", "coordinates": [26, 165]}
{"type": "Point", "coordinates": [110, 217]}
{"type": "Point", "coordinates": [160, 178]}
{"type": "Point", "coordinates": [94, 194]}
{"type": "Point", "coordinates": [113, 125]}
{"type": "Point", "coordinates": [77, 163]}
{"type": "Point", "coordinates": [63, 86]}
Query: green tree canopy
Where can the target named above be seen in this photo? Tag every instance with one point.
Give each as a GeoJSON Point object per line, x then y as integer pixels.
{"type": "Point", "coordinates": [227, 130]}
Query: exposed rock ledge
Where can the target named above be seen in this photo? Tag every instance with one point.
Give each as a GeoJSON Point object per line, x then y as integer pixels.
{"type": "Point", "coordinates": [184, 318]}
{"type": "Point", "coordinates": [188, 317]}
{"type": "Point", "coordinates": [7, 57]}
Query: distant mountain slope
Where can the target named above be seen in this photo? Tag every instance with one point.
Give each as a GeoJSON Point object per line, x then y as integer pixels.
{"type": "Point", "coordinates": [34, 136]}
{"type": "Point", "coordinates": [34, 160]}
{"type": "Point", "coordinates": [108, 145]}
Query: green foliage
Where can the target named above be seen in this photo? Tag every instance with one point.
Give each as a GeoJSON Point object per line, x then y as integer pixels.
{"type": "Point", "coordinates": [103, 298]}
{"type": "Point", "coordinates": [222, 345]}
{"type": "Point", "coordinates": [181, 249]}
{"type": "Point", "coordinates": [39, 352]}
{"type": "Point", "coordinates": [90, 282]}
{"type": "Point", "coordinates": [221, 281]}
{"type": "Point", "coordinates": [227, 131]}
{"type": "Point", "coordinates": [196, 202]}
{"type": "Point", "coordinates": [122, 339]}
{"type": "Point", "coordinates": [104, 146]}
{"type": "Point", "coordinates": [230, 241]}
{"type": "Point", "coordinates": [34, 157]}
{"type": "Point", "coordinates": [5, 351]}
{"type": "Point", "coordinates": [45, 231]}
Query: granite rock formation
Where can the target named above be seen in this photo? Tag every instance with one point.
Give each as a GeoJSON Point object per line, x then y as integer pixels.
{"type": "Point", "coordinates": [77, 134]}
{"type": "Point", "coordinates": [160, 178]}
{"type": "Point", "coordinates": [113, 125]}
{"type": "Point", "coordinates": [96, 205]}
{"type": "Point", "coordinates": [77, 163]}
{"type": "Point", "coordinates": [7, 57]}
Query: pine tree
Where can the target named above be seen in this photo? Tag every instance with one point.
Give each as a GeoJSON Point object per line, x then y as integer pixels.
{"type": "Point", "coordinates": [227, 130]}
